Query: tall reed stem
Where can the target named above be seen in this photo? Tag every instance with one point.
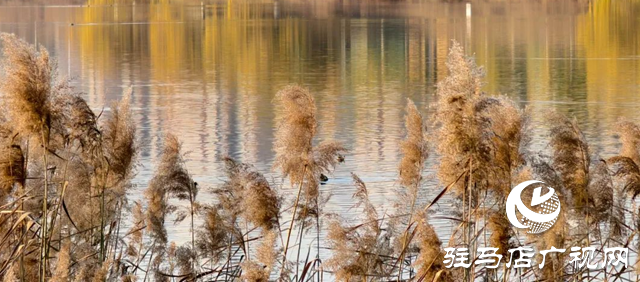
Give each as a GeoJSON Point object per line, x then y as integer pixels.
{"type": "Point", "coordinates": [24, 225]}
{"type": "Point", "coordinates": [293, 218]}
{"type": "Point", "coordinates": [102, 215]}
{"type": "Point", "coordinates": [43, 230]}
{"type": "Point", "coordinates": [193, 237]}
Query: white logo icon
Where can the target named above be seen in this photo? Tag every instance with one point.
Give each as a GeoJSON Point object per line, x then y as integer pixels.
{"type": "Point", "coordinates": [547, 208]}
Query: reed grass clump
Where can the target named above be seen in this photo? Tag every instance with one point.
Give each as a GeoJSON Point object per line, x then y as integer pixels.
{"type": "Point", "coordinates": [359, 251]}
{"type": "Point", "coordinates": [54, 172]}
{"type": "Point", "coordinates": [457, 134]}
{"type": "Point", "coordinates": [29, 77]}
{"type": "Point", "coordinates": [66, 173]}
{"type": "Point", "coordinates": [431, 256]}
{"type": "Point", "coordinates": [414, 150]}
{"type": "Point", "coordinates": [571, 158]}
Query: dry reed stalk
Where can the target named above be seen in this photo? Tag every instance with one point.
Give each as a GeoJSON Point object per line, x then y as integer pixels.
{"type": "Point", "coordinates": [296, 157]}
{"type": "Point", "coordinates": [119, 141]}
{"type": "Point", "coordinates": [28, 83]}
{"type": "Point", "coordinates": [29, 77]}
{"type": "Point", "coordinates": [294, 136]}
{"type": "Point", "coordinates": [213, 235]}
{"type": "Point", "coordinates": [457, 135]}
{"type": "Point", "coordinates": [249, 201]}
{"type": "Point", "coordinates": [414, 151]}
{"type": "Point", "coordinates": [70, 155]}
{"type": "Point", "coordinates": [571, 159]}
{"type": "Point", "coordinates": [260, 269]}
{"type": "Point", "coordinates": [170, 179]}
{"type": "Point", "coordinates": [359, 251]}
{"type": "Point", "coordinates": [61, 273]}
{"type": "Point", "coordinates": [629, 134]}
{"type": "Point", "coordinates": [430, 259]}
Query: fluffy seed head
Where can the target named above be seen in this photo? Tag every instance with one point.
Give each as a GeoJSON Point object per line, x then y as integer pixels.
{"type": "Point", "coordinates": [571, 158]}
{"type": "Point", "coordinates": [295, 132]}
{"type": "Point", "coordinates": [414, 150]}
{"type": "Point", "coordinates": [119, 135]}
{"type": "Point", "coordinates": [629, 134]}
{"type": "Point", "coordinates": [27, 84]}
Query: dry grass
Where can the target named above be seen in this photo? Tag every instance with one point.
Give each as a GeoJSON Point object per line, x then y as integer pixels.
{"type": "Point", "coordinates": [414, 150]}
{"type": "Point", "coordinates": [29, 78]}
{"type": "Point", "coordinates": [359, 251]}
{"type": "Point", "coordinates": [294, 137]}
{"type": "Point", "coordinates": [65, 172]}
{"type": "Point", "coordinates": [571, 159]}
{"type": "Point", "coordinates": [431, 256]}
{"type": "Point", "coordinates": [630, 137]}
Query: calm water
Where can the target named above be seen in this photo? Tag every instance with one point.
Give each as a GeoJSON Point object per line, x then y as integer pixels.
{"type": "Point", "coordinates": [208, 73]}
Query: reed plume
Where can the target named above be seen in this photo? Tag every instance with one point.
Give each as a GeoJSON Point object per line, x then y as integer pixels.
{"type": "Point", "coordinates": [101, 274]}
{"type": "Point", "coordinates": [267, 253]}
{"type": "Point", "coordinates": [625, 175]}
{"type": "Point", "coordinates": [501, 231]}
{"type": "Point", "coordinates": [12, 160]}
{"type": "Point", "coordinates": [247, 198]}
{"type": "Point", "coordinates": [136, 232]}
{"type": "Point", "coordinates": [170, 179]}
{"type": "Point", "coordinates": [622, 178]}
{"type": "Point", "coordinates": [358, 251]}
{"type": "Point", "coordinates": [431, 256]}
{"type": "Point", "coordinates": [63, 263]}
{"type": "Point", "coordinates": [73, 121]}
{"type": "Point", "coordinates": [29, 76]}
{"type": "Point", "coordinates": [414, 151]}
{"type": "Point", "coordinates": [539, 168]}
{"type": "Point", "coordinates": [629, 134]}
{"type": "Point", "coordinates": [213, 235]}
{"type": "Point", "coordinates": [254, 272]}
{"type": "Point", "coordinates": [503, 143]}
{"type": "Point", "coordinates": [297, 159]}
{"type": "Point", "coordinates": [247, 193]}
{"type": "Point", "coordinates": [11, 168]}
{"type": "Point", "coordinates": [260, 269]}
{"type": "Point", "coordinates": [457, 135]}
{"type": "Point", "coordinates": [571, 159]}
{"type": "Point", "coordinates": [184, 261]}
{"type": "Point", "coordinates": [119, 134]}
{"type": "Point", "coordinates": [605, 199]}
{"type": "Point", "coordinates": [294, 135]}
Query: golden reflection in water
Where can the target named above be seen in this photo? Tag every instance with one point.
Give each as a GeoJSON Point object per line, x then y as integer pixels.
{"type": "Point", "coordinates": [209, 72]}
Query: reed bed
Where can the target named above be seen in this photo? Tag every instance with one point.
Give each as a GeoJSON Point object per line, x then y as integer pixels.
{"type": "Point", "coordinates": [65, 172]}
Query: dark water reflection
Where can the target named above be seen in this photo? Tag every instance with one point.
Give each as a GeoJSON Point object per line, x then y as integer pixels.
{"type": "Point", "coordinates": [208, 73]}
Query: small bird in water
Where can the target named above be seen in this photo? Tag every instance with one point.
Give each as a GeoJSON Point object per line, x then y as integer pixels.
{"type": "Point", "coordinates": [323, 178]}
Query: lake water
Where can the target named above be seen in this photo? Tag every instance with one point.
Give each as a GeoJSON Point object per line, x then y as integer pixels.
{"type": "Point", "coordinates": [208, 72]}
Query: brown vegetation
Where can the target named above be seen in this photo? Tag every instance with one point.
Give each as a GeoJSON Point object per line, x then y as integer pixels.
{"type": "Point", "coordinates": [65, 173]}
